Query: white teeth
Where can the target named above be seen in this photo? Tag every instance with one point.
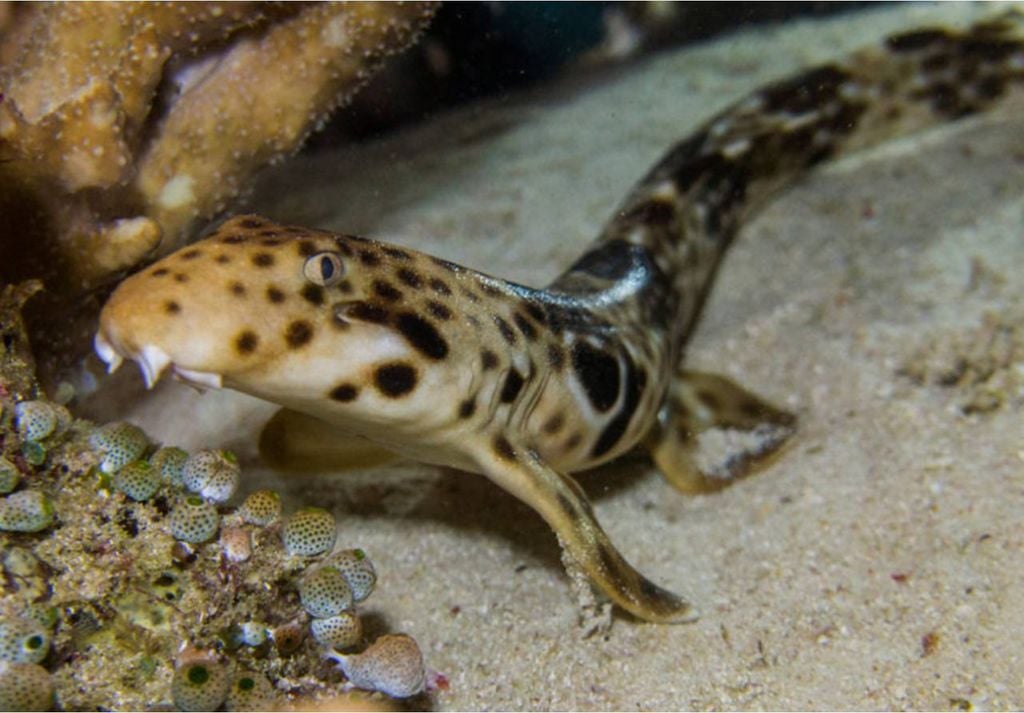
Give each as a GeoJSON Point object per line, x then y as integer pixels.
{"type": "Point", "coordinates": [152, 360]}
{"type": "Point", "coordinates": [202, 378]}
{"type": "Point", "coordinates": [105, 351]}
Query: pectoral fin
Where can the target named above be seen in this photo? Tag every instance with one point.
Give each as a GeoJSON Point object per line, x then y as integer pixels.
{"type": "Point", "coordinates": [293, 441]}
{"type": "Point", "coordinates": [562, 503]}
{"type": "Point", "coordinates": [752, 432]}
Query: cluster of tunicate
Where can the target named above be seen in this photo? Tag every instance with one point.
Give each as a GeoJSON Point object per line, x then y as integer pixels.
{"type": "Point", "coordinates": [393, 664]}
{"type": "Point", "coordinates": [39, 421]}
{"type": "Point", "coordinates": [309, 532]}
{"type": "Point", "coordinates": [169, 462]}
{"type": "Point", "coordinates": [329, 593]}
{"type": "Point", "coordinates": [10, 476]}
{"type": "Point", "coordinates": [24, 684]}
{"type": "Point", "coordinates": [194, 520]}
{"type": "Point", "coordinates": [23, 640]}
{"type": "Point", "coordinates": [26, 511]}
{"type": "Point", "coordinates": [118, 444]}
{"type": "Point", "coordinates": [261, 507]}
{"type": "Point", "coordinates": [249, 691]}
{"type": "Point", "coordinates": [212, 474]}
{"type": "Point", "coordinates": [25, 687]}
{"type": "Point", "coordinates": [138, 480]}
{"type": "Point", "coordinates": [186, 495]}
{"type": "Point", "coordinates": [200, 683]}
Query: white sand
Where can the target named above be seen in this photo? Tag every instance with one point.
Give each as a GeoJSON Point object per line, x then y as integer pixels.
{"type": "Point", "coordinates": [878, 564]}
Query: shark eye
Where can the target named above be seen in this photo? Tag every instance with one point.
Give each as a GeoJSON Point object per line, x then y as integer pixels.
{"type": "Point", "coordinates": [324, 269]}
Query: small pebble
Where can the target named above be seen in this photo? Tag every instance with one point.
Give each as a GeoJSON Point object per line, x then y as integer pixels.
{"type": "Point", "coordinates": [236, 543]}
{"type": "Point", "coordinates": [252, 633]}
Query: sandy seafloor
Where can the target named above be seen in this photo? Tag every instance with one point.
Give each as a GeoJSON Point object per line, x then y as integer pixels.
{"type": "Point", "coordinates": [878, 564]}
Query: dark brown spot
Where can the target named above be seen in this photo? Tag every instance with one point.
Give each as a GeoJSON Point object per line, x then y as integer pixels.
{"type": "Point", "coordinates": [344, 392]}
{"type": "Point", "coordinates": [343, 247]}
{"type": "Point", "coordinates": [172, 307]}
{"type": "Point", "coordinates": [246, 342]}
{"type": "Point", "coordinates": [636, 381]}
{"type": "Point", "coordinates": [262, 259]}
{"type": "Point", "coordinates": [556, 356]}
{"type": "Point", "coordinates": [306, 248]}
{"type": "Point", "coordinates": [223, 259]}
{"type": "Point", "coordinates": [160, 272]}
{"type": "Point", "coordinates": [233, 239]}
{"type": "Point", "coordinates": [386, 290]}
{"type": "Point", "coordinates": [180, 277]}
{"type": "Point", "coordinates": [251, 223]}
{"type": "Point", "coordinates": [366, 312]}
{"type": "Point", "coordinates": [395, 379]}
{"type": "Point", "coordinates": [503, 448]}
{"type": "Point", "coordinates": [422, 335]}
{"type": "Point", "coordinates": [275, 295]}
{"type": "Point", "coordinates": [573, 441]}
{"type": "Point", "coordinates": [524, 326]}
{"type": "Point", "coordinates": [470, 295]}
{"type": "Point", "coordinates": [345, 287]}
{"type": "Point", "coordinates": [467, 408]}
{"type": "Point", "coordinates": [554, 424]}
{"type": "Point", "coordinates": [488, 289]}
{"type": "Point", "coordinates": [369, 258]}
{"type": "Point", "coordinates": [506, 329]}
{"type": "Point", "coordinates": [396, 252]}
{"type": "Point", "coordinates": [489, 359]}
{"type": "Point", "coordinates": [513, 385]}
{"type": "Point", "coordinates": [410, 277]}
{"type": "Point", "coordinates": [298, 333]}
{"type": "Point", "coordinates": [598, 372]}
{"type": "Point", "coordinates": [917, 39]}
{"type": "Point", "coordinates": [268, 233]}
{"type": "Point", "coordinates": [709, 399]}
{"type": "Point", "coordinates": [440, 286]}
{"type": "Point", "coordinates": [439, 310]}
{"type": "Point", "coordinates": [314, 294]}
{"type": "Point", "coordinates": [191, 254]}
{"type": "Point", "coordinates": [536, 311]}
{"type": "Point", "coordinates": [237, 289]}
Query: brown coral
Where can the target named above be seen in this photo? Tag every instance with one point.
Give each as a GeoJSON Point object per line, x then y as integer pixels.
{"type": "Point", "coordinates": [124, 125]}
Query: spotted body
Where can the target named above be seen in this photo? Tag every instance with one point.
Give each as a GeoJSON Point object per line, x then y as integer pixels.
{"type": "Point", "coordinates": [451, 366]}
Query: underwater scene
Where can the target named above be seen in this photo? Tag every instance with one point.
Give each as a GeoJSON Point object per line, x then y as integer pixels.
{"type": "Point", "coordinates": [511, 356]}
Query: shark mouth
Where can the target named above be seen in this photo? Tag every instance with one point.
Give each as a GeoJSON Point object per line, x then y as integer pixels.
{"type": "Point", "coordinates": [153, 362]}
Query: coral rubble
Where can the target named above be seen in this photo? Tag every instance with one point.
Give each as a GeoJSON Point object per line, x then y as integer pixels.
{"type": "Point", "coordinates": [123, 126]}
